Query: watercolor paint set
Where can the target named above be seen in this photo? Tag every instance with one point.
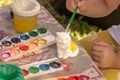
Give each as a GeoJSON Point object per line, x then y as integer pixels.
{"type": "Point", "coordinates": [91, 73]}
{"type": "Point", "coordinates": [23, 44]}
{"type": "Point", "coordinates": [41, 68]}
{"type": "Point", "coordinates": [3, 34]}
{"type": "Point", "coordinates": [35, 56]}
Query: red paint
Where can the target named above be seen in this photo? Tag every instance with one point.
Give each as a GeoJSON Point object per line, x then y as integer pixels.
{"type": "Point", "coordinates": [84, 77]}
{"type": "Point", "coordinates": [67, 65]}
{"type": "Point", "coordinates": [73, 78]}
{"type": "Point", "coordinates": [24, 48]}
{"type": "Point", "coordinates": [25, 72]}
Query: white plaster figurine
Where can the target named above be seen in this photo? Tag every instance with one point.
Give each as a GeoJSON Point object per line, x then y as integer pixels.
{"type": "Point", "coordinates": [65, 46]}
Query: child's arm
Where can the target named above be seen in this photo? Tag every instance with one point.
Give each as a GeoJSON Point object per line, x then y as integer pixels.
{"type": "Point", "coordinates": [93, 8]}
{"type": "Point", "coordinates": [104, 55]}
{"type": "Point", "coordinates": [118, 62]}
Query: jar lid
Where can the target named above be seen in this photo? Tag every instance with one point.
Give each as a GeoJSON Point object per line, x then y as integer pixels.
{"type": "Point", "coordinates": [25, 7]}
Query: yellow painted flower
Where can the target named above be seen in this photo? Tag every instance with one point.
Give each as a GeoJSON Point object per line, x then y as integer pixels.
{"type": "Point", "coordinates": [74, 47]}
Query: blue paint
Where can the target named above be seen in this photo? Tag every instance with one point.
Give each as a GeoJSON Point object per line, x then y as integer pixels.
{"type": "Point", "coordinates": [1, 37]}
{"type": "Point", "coordinates": [44, 67]}
{"type": "Point", "coordinates": [24, 37]}
{"type": "Point", "coordinates": [15, 40]}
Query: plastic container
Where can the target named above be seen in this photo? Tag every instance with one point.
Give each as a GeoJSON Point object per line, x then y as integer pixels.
{"type": "Point", "coordinates": [25, 15]}
{"type": "Point", "coordinates": [11, 72]}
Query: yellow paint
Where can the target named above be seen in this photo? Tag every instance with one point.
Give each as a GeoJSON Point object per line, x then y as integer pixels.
{"type": "Point", "coordinates": [74, 47]}
{"type": "Point", "coordinates": [41, 41]}
{"type": "Point", "coordinates": [48, 79]}
{"type": "Point", "coordinates": [24, 24]}
{"type": "Point", "coordinates": [32, 45]}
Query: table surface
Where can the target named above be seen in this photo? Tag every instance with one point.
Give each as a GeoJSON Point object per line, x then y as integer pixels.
{"type": "Point", "coordinates": [81, 63]}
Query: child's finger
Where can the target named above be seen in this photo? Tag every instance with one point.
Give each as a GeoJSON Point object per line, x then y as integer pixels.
{"type": "Point", "coordinates": [76, 2]}
{"type": "Point", "coordinates": [81, 5]}
{"type": "Point", "coordinates": [70, 4]}
{"type": "Point", "coordinates": [98, 54]}
{"type": "Point", "coordinates": [96, 59]}
{"type": "Point", "coordinates": [101, 43]}
{"type": "Point", "coordinates": [97, 48]}
{"type": "Point", "coordinates": [96, 63]}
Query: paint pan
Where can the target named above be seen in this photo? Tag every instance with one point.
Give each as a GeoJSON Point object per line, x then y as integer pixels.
{"type": "Point", "coordinates": [42, 68]}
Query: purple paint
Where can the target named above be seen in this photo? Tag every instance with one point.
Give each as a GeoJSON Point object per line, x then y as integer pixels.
{"type": "Point", "coordinates": [15, 40]}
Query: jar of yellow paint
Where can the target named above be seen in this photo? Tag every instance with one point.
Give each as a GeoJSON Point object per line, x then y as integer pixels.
{"type": "Point", "coordinates": [25, 15]}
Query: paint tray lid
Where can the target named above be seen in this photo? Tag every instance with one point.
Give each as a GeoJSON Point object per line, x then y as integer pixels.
{"type": "Point", "coordinates": [11, 72]}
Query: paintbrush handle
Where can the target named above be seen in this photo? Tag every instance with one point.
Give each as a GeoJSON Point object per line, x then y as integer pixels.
{"type": "Point", "coordinates": [72, 18]}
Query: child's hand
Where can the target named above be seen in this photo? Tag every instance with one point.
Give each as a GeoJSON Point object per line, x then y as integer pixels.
{"type": "Point", "coordinates": [71, 4]}
{"type": "Point", "coordinates": [104, 55]}
{"type": "Point", "coordinates": [93, 8]}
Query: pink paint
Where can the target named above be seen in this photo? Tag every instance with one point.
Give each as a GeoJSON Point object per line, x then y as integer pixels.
{"type": "Point", "coordinates": [67, 65]}
{"type": "Point", "coordinates": [5, 54]}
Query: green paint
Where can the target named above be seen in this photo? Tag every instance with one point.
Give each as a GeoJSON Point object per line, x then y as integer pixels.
{"type": "Point", "coordinates": [33, 33]}
{"type": "Point", "coordinates": [11, 72]}
{"type": "Point", "coordinates": [42, 30]}
{"type": "Point", "coordinates": [33, 69]}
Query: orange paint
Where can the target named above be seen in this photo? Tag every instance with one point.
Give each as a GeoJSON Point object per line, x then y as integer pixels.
{"type": "Point", "coordinates": [61, 79]}
{"type": "Point", "coordinates": [32, 45]}
{"type": "Point", "coordinates": [14, 51]}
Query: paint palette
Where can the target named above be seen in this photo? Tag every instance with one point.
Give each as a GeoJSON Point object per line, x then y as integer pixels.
{"type": "Point", "coordinates": [3, 34]}
{"type": "Point", "coordinates": [91, 73]}
{"type": "Point", "coordinates": [70, 77]}
{"type": "Point", "coordinates": [23, 44]}
{"type": "Point", "coordinates": [42, 67]}
{"type": "Point", "coordinates": [36, 56]}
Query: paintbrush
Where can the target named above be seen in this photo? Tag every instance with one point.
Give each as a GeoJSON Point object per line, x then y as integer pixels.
{"type": "Point", "coordinates": [71, 19]}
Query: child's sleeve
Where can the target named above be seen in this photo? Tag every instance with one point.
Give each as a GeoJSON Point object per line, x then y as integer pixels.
{"type": "Point", "coordinates": [115, 32]}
